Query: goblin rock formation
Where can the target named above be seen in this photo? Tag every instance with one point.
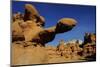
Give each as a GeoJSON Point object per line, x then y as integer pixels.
{"type": "Point", "coordinates": [30, 27]}
{"type": "Point", "coordinates": [29, 38]}
{"type": "Point", "coordinates": [89, 46]}
{"type": "Point", "coordinates": [69, 50]}
{"type": "Point", "coordinates": [89, 38]}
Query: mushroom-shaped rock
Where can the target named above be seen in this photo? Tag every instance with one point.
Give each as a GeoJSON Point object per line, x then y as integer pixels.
{"type": "Point", "coordinates": [32, 32]}
{"type": "Point", "coordinates": [32, 26]}
{"type": "Point", "coordinates": [65, 24]}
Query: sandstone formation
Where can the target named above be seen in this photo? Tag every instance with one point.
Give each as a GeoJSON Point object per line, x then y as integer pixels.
{"type": "Point", "coordinates": [89, 38]}
{"type": "Point", "coordinates": [34, 53]}
{"type": "Point", "coordinates": [89, 47]}
{"type": "Point", "coordinates": [30, 27]}
{"type": "Point", "coordinates": [29, 38]}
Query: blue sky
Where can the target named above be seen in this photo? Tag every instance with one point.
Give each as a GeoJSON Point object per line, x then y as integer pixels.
{"type": "Point", "coordinates": [85, 16]}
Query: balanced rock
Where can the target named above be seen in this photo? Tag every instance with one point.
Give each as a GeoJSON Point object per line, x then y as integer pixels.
{"type": "Point", "coordinates": [32, 26]}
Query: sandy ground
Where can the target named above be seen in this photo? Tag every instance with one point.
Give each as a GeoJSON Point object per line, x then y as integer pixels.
{"type": "Point", "coordinates": [22, 55]}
